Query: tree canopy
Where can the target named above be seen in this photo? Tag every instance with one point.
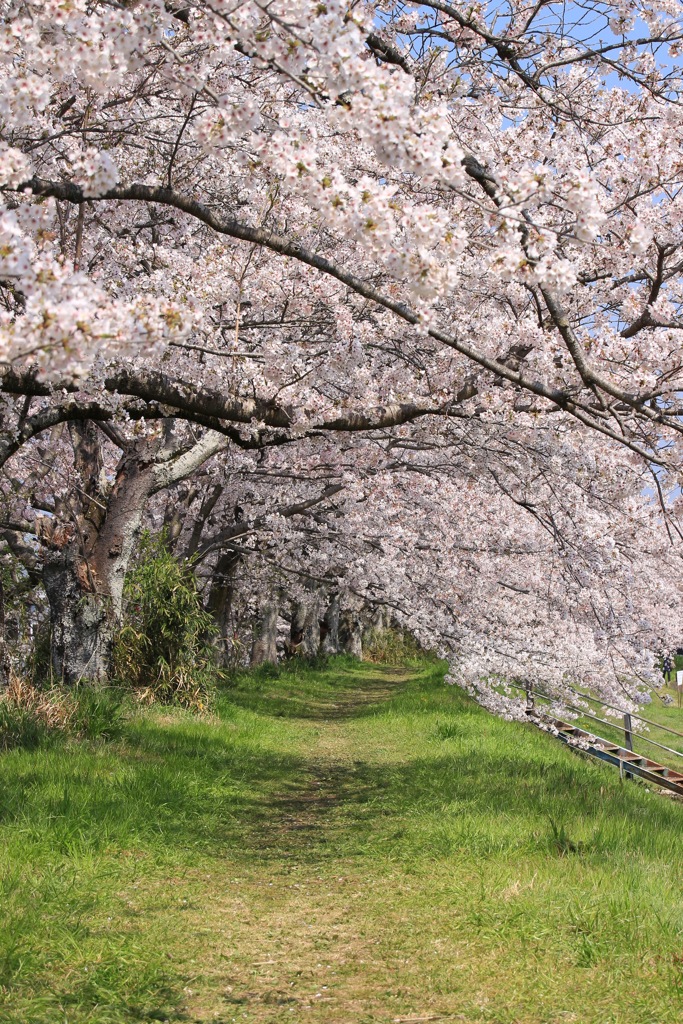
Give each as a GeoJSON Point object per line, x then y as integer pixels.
{"type": "Point", "coordinates": [379, 300]}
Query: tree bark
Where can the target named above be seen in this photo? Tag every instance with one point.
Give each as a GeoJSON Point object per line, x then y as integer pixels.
{"type": "Point", "coordinates": [351, 630]}
{"type": "Point", "coordinates": [379, 619]}
{"type": "Point", "coordinates": [85, 571]}
{"type": "Point", "coordinates": [4, 654]}
{"type": "Point", "coordinates": [219, 603]}
{"type": "Point", "coordinates": [305, 627]}
{"type": "Point", "coordinates": [264, 648]}
{"type": "Point", "coordinates": [84, 579]}
{"type": "Point", "coordinates": [82, 621]}
{"type": "Point", "coordinates": [330, 627]}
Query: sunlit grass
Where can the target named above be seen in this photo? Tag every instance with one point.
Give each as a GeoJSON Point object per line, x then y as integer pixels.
{"type": "Point", "coordinates": [351, 843]}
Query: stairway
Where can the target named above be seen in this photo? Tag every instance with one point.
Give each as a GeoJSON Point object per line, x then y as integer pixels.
{"type": "Point", "coordinates": [626, 760]}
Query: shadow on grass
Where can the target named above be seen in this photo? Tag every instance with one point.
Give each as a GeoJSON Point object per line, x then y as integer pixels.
{"type": "Point", "coordinates": [473, 785]}
{"type": "Point", "coordinates": [434, 808]}
{"type": "Point", "coordinates": [342, 688]}
{"type": "Point", "coordinates": [219, 788]}
{"type": "Point", "coordinates": [162, 786]}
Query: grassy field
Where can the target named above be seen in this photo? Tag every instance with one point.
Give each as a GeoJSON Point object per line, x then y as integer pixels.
{"type": "Point", "coordinates": [343, 846]}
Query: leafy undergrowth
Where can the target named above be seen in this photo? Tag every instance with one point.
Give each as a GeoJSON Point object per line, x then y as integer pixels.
{"type": "Point", "coordinates": [352, 843]}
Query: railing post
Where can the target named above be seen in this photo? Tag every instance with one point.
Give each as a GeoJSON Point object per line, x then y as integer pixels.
{"type": "Point", "coordinates": [628, 737]}
{"type": "Point", "coordinates": [529, 697]}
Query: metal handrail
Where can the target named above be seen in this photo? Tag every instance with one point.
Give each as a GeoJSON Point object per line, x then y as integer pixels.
{"type": "Point", "coordinates": [587, 714]}
{"type": "Point", "coordinates": [596, 700]}
{"type": "Point", "coordinates": [647, 739]}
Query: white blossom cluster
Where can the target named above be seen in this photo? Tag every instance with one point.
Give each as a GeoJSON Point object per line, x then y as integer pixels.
{"type": "Point", "coordinates": [373, 259]}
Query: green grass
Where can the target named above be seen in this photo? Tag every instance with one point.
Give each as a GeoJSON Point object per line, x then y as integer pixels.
{"type": "Point", "coordinates": [354, 843]}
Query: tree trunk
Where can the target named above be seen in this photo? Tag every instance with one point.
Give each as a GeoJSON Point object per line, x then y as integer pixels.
{"type": "Point", "coordinates": [329, 632]}
{"type": "Point", "coordinates": [219, 604]}
{"type": "Point", "coordinates": [305, 627]}
{"type": "Point", "coordinates": [4, 654]}
{"type": "Point", "coordinates": [264, 648]}
{"type": "Point", "coordinates": [86, 569]}
{"type": "Point", "coordinates": [351, 632]}
{"type": "Point", "coordinates": [82, 621]}
{"type": "Point", "coordinates": [380, 618]}
{"type": "Point", "coordinates": [85, 588]}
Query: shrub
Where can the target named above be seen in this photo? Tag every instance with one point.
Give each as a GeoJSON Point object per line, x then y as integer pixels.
{"type": "Point", "coordinates": [164, 648]}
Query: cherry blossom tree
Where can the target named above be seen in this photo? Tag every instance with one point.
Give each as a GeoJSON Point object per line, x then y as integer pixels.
{"type": "Point", "coordinates": [433, 249]}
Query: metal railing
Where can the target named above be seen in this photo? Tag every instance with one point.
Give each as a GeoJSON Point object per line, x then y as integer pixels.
{"type": "Point", "coordinates": [532, 692]}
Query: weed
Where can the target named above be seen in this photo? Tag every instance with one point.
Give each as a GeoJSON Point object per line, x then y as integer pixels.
{"type": "Point", "coordinates": [561, 840]}
{"type": "Point", "coordinates": [97, 712]}
{"type": "Point", "coordinates": [30, 715]}
{"type": "Point", "coordinates": [20, 726]}
{"type": "Point", "coordinates": [448, 730]}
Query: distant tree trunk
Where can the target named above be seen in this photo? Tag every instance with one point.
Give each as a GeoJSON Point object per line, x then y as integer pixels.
{"type": "Point", "coordinates": [4, 654]}
{"type": "Point", "coordinates": [351, 630]}
{"type": "Point", "coordinates": [305, 627]}
{"type": "Point", "coordinates": [329, 632]}
{"type": "Point", "coordinates": [264, 647]}
{"type": "Point", "coordinates": [381, 617]}
{"type": "Point", "coordinates": [219, 603]}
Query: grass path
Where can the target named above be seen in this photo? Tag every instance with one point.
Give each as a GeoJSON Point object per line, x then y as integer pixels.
{"type": "Point", "coordinates": [352, 845]}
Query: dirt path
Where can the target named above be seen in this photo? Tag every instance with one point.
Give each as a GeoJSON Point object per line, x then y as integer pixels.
{"type": "Point", "coordinates": [293, 944]}
{"type": "Point", "coordinates": [334, 769]}
{"type": "Point", "coordinates": [376, 880]}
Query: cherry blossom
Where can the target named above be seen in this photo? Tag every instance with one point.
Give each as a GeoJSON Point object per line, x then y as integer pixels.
{"type": "Point", "coordinates": [402, 282]}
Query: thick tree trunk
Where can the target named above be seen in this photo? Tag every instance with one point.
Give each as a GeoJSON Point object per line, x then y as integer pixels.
{"type": "Point", "coordinates": [264, 648]}
{"type": "Point", "coordinates": [86, 570]}
{"type": "Point", "coordinates": [85, 588]}
{"type": "Point", "coordinates": [329, 632]}
{"type": "Point", "coordinates": [82, 621]}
